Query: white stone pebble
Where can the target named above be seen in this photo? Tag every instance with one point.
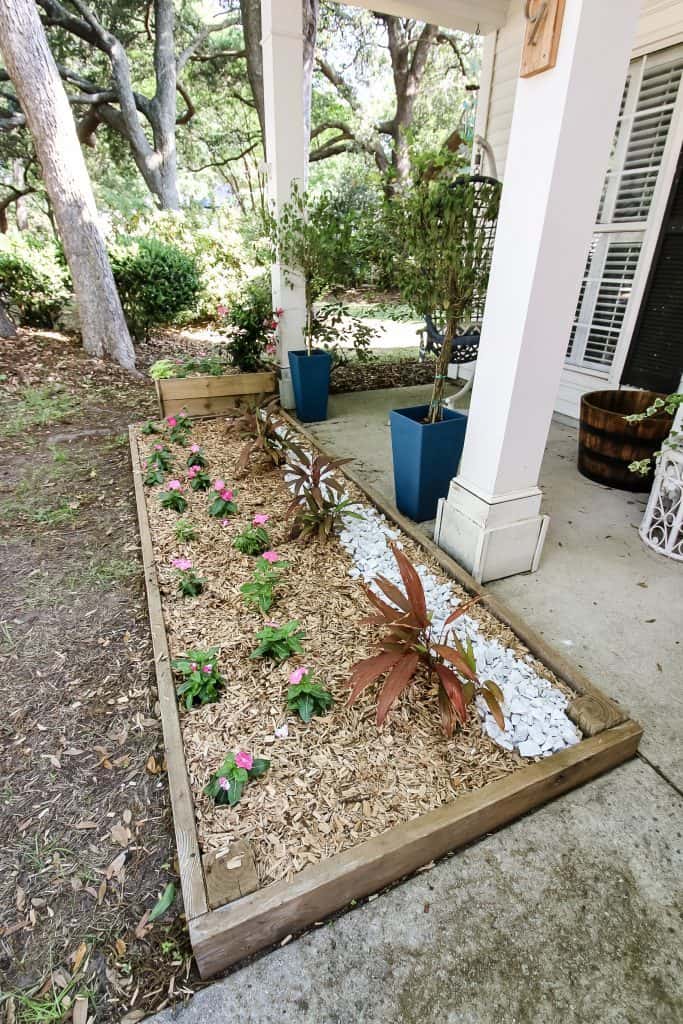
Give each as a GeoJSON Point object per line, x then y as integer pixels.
{"type": "Point", "coordinates": [534, 710]}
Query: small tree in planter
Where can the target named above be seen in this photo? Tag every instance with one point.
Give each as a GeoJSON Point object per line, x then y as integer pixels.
{"type": "Point", "coordinates": [442, 232]}
{"type": "Point", "coordinates": [312, 238]}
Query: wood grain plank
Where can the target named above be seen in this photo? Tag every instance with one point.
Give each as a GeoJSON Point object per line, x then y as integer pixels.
{"type": "Point", "coordinates": [207, 387]}
{"type": "Point", "coordinates": [591, 715]}
{"type": "Point", "coordinates": [541, 44]}
{"type": "Point", "coordinates": [189, 859]}
{"type": "Point", "coordinates": [227, 935]}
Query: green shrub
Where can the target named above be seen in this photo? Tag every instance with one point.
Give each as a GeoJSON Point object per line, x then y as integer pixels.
{"type": "Point", "coordinates": [33, 283]}
{"type": "Point", "coordinates": [247, 317]}
{"type": "Point", "coordinates": [156, 282]}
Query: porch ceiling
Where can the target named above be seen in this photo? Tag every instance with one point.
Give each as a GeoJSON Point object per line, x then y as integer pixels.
{"type": "Point", "coordinates": [468, 15]}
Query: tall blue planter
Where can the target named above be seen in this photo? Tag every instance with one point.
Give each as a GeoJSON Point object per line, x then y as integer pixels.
{"type": "Point", "coordinates": [311, 383]}
{"type": "Point", "coordinates": [426, 458]}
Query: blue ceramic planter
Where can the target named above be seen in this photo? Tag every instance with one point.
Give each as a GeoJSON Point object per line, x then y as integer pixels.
{"type": "Point", "coordinates": [426, 458]}
{"type": "Point", "coordinates": [311, 383]}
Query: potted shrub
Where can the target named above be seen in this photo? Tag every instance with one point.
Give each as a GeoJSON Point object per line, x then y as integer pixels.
{"type": "Point", "coordinates": [312, 238]}
{"type": "Point", "coordinates": [440, 229]}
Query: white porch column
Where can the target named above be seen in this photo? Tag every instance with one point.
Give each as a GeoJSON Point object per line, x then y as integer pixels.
{"type": "Point", "coordinates": [562, 127]}
{"type": "Point", "coordinates": [286, 155]}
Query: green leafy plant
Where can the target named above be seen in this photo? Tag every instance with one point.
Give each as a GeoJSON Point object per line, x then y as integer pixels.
{"type": "Point", "coordinates": [409, 651]}
{"type": "Point", "coordinates": [33, 282]}
{"type": "Point", "coordinates": [179, 428]}
{"type": "Point", "coordinates": [442, 233]}
{"type": "Point", "coordinates": [307, 697]}
{"type": "Point", "coordinates": [156, 282]}
{"type": "Point", "coordinates": [196, 457]}
{"type": "Point", "coordinates": [227, 784]}
{"type": "Point", "coordinates": [163, 369]}
{"type": "Point", "coordinates": [259, 591]}
{"type": "Point", "coordinates": [223, 503]}
{"type": "Point", "coordinates": [209, 365]}
{"type": "Point", "coordinates": [251, 322]}
{"type": "Point", "coordinates": [154, 474]}
{"type": "Point", "coordinates": [198, 479]}
{"type": "Point", "coordinates": [201, 680]}
{"type": "Point", "coordinates": [184, 531]}
{"type": "Point", "coordinates": [150, 427]}
{"type": "Point", "coordinates": [319, 503]}
{"type": "Point", "coordinates": [172, 498]}
{"type": "Point", "coordinates": [161, 457]}
{"type": "Point", "coordinates": [279, 642]}
{"type": "Point", "coordinates": [333, 324]}
{"type": "Point", "coordinates": [189, 583]}
{"type": "Point", "coordinates": [254, 540]}
{"type": "Point", "coordinates": [669, 405]}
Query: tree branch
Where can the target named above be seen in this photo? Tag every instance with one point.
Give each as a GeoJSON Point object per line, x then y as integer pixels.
{"type": "Point", "coordinates": [201, 37]}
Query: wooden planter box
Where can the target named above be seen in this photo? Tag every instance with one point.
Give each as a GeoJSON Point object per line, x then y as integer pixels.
{"type": "Point", "coordinates": [208, 396]}
{"type": "Point", "coordinates": [229, 918]}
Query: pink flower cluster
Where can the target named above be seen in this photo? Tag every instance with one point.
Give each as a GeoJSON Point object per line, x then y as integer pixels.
{"type": "Point", "coordinates": [194, 448]}
{"type": "Point", "coordinates": [175, 485]}
{"type": "Point", "coordinates": [192, 472]}
{"type": "Point", "coordinates": [224, 491]}
{"type": "Point", "coordinates": [182, 563]}
{"type": "Point", "coordinates": [271, 556]}
{"type": "Point", "coordinates": [244, 760]}
{"type": "Point", "coordinates": [297, 675]}
{"type": "Point", "coordinates": [172, 421]}
{"type": "Point", "coordinates": [260, 519]}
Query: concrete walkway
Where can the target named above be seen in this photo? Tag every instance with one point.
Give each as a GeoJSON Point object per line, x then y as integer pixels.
{"type": "Point", "coordinates": [572, 914]}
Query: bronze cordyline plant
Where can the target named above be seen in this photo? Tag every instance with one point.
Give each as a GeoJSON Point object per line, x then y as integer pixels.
{"type": "Point", "coordinates": [266, 433]}
{"type": "Point", "coordinates": [409, 651]}
{"type": "Point", "coordinates": [319, 502]}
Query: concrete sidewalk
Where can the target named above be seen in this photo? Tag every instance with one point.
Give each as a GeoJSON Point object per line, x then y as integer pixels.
{"type": "Point", "coordinates": [572, 914]}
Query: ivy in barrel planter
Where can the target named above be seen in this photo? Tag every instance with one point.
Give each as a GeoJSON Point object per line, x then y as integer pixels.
{"type": "Point", "coordinates": [227, 784]}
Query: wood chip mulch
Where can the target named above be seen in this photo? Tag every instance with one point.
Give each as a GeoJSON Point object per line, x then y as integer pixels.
{"type": "Point", "coordinates": [371, 376]}
{"type": "Point", "coordinates": [339, 780]}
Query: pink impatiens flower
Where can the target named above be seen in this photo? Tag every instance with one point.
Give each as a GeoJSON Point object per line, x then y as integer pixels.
{"type": "Point", "coordinates": [182, 563]}
{"type": "Point", "coordinates": [244, 760]}
{"type": "Point", "coordinates": [172, 421]}
{"type": "Point", "coordinates": [223, 782]}
{"type": "Point", "coordinates": [219, 485]}
{"type": "Point", "coordinates": [194, 448]}
{"type": "Point", "coordinates": [175, 485]}
{"type": "Point", "coordinates": [194, 666]}
{"type": "Point", "coordinates": [222, 310]}
{"type": "Point", "coordinates": [208, 669]}
{"type": "Point", "coordinates": [226, 495]}
{"type": "Point", "coordinates": [260, 519]}
{"type": "Point", "coordinates": [297, 675]}
{"type": "Point", "coordinates": [158, 447]}
{"type": "Point", "coordinates": [192, 472]}
{"type": "Point", "coordinates": [271, 556]}
{"type": "Point", "coordinates": [225, 522]}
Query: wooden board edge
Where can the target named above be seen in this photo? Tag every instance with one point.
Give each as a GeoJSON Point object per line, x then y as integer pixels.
{"type": "Point", "coordinates": [160, 400]}
{"type": "Point", "coordinates": [227, 385]}
{"type": "Point", "coordinates": [182, 803]}
{"type": "Point", "coordinates": [594, 711]}
{"type": "Point", "coordinates": [227, 935]}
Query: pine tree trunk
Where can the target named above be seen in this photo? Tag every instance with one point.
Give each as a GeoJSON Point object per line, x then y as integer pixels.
{"type": "Point", "coordinates": [36, 79]}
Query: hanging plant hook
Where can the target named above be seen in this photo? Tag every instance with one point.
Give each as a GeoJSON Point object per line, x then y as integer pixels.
{"type": "Point", "coordinates": [535, 19]}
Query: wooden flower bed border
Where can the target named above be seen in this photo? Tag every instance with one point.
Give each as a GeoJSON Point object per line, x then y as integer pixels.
{"type": "Point", "coordinates": [210, 396]}
{"type": "Point", "coordinates": [222, 935]}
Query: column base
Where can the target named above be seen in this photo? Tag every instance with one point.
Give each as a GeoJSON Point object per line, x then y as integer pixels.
{"type": "Point", "coordinates": [492, 537]}
{"type": "Point", "coordinates": [286, 389]}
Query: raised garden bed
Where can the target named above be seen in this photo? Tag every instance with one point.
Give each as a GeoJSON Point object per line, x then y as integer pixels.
{"type": "Point", "coordinates": [344, 809]}
{"type": "Point", "coordinates": [211, 395]}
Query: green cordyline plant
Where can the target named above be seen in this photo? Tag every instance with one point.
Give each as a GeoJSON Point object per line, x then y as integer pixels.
{"type": "Point", "coordinates": [279, 642]}
{"type": "Point", "coordinates": [201, 680]}
{"type": "Point", "coordinates": [227, 784]}
{"type": "Point", "coordinates": [254, 540]}
{"type": "Point", "coordinates": [306, 696]}
{"type": "Point", "coordinates": [189, 583]}
{"type": "Point", "coordinates": [312, 237]}
{"type": "Point", "coordinates": [223, 503]}
{"type": "Point", "coordinates": [185, 531]}
{"type": "Point", "coordinates": [259, 591]}
{"type": "Point", "coordinates": [196, 457]}
{"type": "Point", "coordinates": [670, 405]}
{"type": "Point", "coordinates": [409, 651]}
{"type": "Point", "coordinates": [441, 231]}
{"type": "Point", "coordinates": [172, 497]}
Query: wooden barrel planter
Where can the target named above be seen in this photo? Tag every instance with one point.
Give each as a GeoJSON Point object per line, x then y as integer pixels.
{"type": "Point", "coordinates": [608, 444]}
{"type": "Point", "coordinates": [208, 396]}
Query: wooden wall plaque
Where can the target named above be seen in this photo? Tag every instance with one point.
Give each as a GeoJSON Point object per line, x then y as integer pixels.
{"type": "Point", "coordinates": [542, 36]}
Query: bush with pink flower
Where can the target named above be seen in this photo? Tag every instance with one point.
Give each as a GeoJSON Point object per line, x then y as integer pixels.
{"type": "Point", "coordinates": [179, 428]}
{"type": "Point", "coordinates": [196, 457]}
{"type": "Point", "coordinates": [227, 784]}
{"type": "Point", "coordinates": [201, 680]}
{"type": "Point", "coordinates": [254, 540]}
{"type": "Point", "coordinates": [259, 591]}
{"type": "Point", "coordinates": [198, 479]}
{"type": "Point", "coordinates": [223, 503]}
{"type": "Point", "coordinates": [172, 498]}
{"type": "Point", "coordinates": [306, 696]}
{"type": "Point", "coordinates": [189, 583]}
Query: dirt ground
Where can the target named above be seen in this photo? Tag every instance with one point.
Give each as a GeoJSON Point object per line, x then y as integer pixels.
{"type": "Point", "coordinates": [86, 843]}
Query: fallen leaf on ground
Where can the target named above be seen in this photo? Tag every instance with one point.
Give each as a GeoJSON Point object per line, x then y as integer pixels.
{"type": "Point", "coordinates": [116, 866]}
{"type": "Point", "coordinates": [85, 825]}
{"type": "Point", "coordinates": [142, 926]}
{"type": "Point", "coordinates": [120, 835]}
{"type": "Point", "coordinates": [164, 902]}
{"type": "Point", "coordinates": [120, 947]}
{"type": "Point", "coordinates": [77, 957]}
